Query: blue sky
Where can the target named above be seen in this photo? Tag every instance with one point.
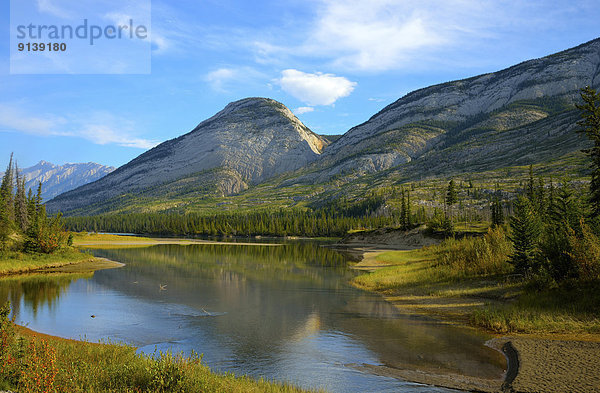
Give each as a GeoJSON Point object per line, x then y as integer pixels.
{"type": "Point", "coordinates": [335, 63]}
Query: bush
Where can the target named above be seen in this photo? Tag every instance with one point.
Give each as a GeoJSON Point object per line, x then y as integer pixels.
{"type": "Point", "coordinates": [476, 256]}
{"type": "Point", "coordinates": [585, 253]}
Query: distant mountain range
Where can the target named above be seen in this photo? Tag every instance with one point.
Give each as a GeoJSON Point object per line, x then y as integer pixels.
{"type": "Point", "coordinates": [57, 179]}
{"type": "Point", "coordinates": [518, 116]}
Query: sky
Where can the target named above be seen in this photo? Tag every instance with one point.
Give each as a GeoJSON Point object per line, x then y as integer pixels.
{"type": "Point", "coordinates": [334, 63]}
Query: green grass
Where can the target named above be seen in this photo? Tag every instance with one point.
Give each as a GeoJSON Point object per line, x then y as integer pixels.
{"type": "Point", "coordinates": [568, 309]}
{"type": "Point", "coordinates": [451, 262]}
{"type": "Point", "coordinates": [469, 280]}
{"type": "Point", "coordinates": [36, 363]}
{"type": "Point", "coordinates": [85, 237]}
{"type": "Point", "coordinates": [12, 262]}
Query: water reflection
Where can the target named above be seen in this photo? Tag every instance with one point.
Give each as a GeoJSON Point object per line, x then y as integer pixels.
{"type": "Point", "coordinates": [282, 312]}
{"type": "Point", "coordinates": [35, 290]}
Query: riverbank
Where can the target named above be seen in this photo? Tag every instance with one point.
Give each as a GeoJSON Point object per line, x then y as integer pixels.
{"type": "Point", "coordinates": [97, 240]}
{"type": "Point", "coordinates": [56, 364]}
{"type": "Point", "coordinates": [561, 355]}
{"type": "Point", "coordinates": [70, 260]}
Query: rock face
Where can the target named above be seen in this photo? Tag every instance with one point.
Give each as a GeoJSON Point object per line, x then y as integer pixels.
{"type": "Point", "coordinates": [249, 141]}
{"type": "Point", "coordinates": [467, 112]}
{"type": "Point", "coordinates": [57, 179]}
{"type": "Point", "coordinates": [522, 115]}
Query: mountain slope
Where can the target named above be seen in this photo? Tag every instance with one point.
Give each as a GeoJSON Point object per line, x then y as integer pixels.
{"type": "Point", "coordinates": [473, 123]}
{"type": "Point", "coordinates": [57, 179]}
{"type": "Point", "coordinates": [248, 142]}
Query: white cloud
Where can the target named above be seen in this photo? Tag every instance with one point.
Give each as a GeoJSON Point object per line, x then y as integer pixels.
{"type": "Point", "coordinates": [373, 35]}
{"type": "Point", "coordinates": [102, 134]}
{"type": "Point", "coordinates": [99, 128]}
{"type": "Point", "coordinates": [303, 109]}
{"type": "Point", "coordinates": [48, 7]}
{"type": "Point", "coordinates": [226, 79]}
{"type": "Point", "coordinates": [381, 35]}
{"type": "Point", "coordinates": [315, 89]}
{"type": "Point", "coordinates": [218, 78]}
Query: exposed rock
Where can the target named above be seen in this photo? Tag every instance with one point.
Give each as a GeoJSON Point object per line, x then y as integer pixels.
{"type": "Point", "coordinates": [57, 179]}
{"type": "Point", "coordinates": [252, 139]}
{"type": "Point", "coordinates": [432, 118]}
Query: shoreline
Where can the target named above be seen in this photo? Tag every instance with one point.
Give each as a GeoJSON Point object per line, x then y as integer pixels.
{"type": "Point", "coordinates": [573, 359]}
{"type": "Point", "coordinates": [87, 265]}
{"type": "Point", "coordinates": [535, 362]}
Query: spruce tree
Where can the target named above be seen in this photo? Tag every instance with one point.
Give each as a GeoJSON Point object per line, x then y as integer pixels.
{"type": "Point", "coordinates": [525, 235]}
{"type": "Point", "coordinates": [451, 194]}
{"type": "Point", "coordinates": [403, 209]}
{"type": "Point", "coordinates": [497, 208]}
{"type": "Point", "coordinates": [590, 126]}
{"type": "Point", "coordinates": [6, 195]}
{"type": "Point", "coordinates": [531, 186]}
{"type": "Point", "coordinates": [21, 215]}
{"type": "Point", "coordinates": [408, 211]}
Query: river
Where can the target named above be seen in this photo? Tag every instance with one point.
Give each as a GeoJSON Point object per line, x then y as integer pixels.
{"type": "Point", "coordinates": [283, 312]}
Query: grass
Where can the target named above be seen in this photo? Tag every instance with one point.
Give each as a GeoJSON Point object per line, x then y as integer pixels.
{"type": "Point", "coordinates": [468, 280]}
{"type": "Point", "coordinates": [18, 262]}
{"type": "Point", "coordinates": [86, 237]}
{"type": "Point", "coordinates": [30, 362]}
{"type": "Point", "coordinates": [568, 309]}
{"type": "Point", "coordinates": [453, 261]}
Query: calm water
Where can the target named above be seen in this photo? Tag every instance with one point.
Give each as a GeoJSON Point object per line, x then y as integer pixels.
{"type": "Point", "coordinates": [279, 312]}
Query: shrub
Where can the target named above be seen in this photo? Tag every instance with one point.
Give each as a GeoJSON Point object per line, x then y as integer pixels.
{"type": "Point", "coordinates": [476, 256]}
{"type": "Point", "coordinates": [585, 253]}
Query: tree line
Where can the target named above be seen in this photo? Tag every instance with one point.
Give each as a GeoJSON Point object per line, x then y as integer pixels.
{"type": "Point", "coordinates": [281, 222]}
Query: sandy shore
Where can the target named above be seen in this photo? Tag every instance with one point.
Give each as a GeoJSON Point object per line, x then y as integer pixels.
{"type": "Point", "coordinates": [534, 364]}
{"type": "Point", "coordinates": [545, 365]}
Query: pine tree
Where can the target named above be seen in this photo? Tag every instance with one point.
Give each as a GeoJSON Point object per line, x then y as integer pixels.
{"type": "Point", "coordinates": [531, 186]}
{"type": "Point", "coordinates": [31, 207]}
{"type": "Point", "coordinates": [451, 195]}
{"type": "Point", "coordinates": [540, 196]}
{"type": "Point", "coordinates": [497, 209]}
{"type": "Point", "coordinates": [408, 211]}
{"type": "Point", "coordinates": [6, 206]}
{"type": "Point", "coordinates": [6, 195]}
{"type": "Point", "coordinates": [403, 209]}
{"type": "Point", "coordinates": [21, 215]}
{"type": "Point", "coordinates": [590, 126]}
{"type": "Point", "coordinates": [525, 235]}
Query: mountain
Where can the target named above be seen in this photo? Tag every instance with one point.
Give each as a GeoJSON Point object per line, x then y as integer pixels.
{"type": "Point", "coordinates": [257, 149]}
{"type": "Point", "coordinates": [57, 179]}
{"type": "Point", "coordinates": [521, 115]}
{"type": "Point", "coordinates": [248, 142]}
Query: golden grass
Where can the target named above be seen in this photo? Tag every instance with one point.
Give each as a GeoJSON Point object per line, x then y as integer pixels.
{"type": "Point", "coordinates": [17, 262]}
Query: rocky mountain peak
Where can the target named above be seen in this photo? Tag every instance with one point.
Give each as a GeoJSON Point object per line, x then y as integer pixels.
{"type": "Point", "coordinates": [247, 142]}
{"type": "Point", "coordinates": [256, 108]}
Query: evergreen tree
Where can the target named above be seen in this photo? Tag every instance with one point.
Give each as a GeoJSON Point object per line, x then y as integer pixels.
{"type": "Point", "coordinates": [531, 186]}
{"type": "Point", "coordinates": [497, 208]}
{"type": "Point", "coordinates": [560, 223]}
{"type": "Point", "coordinates": [6, 206]}
{"type": "Point", "coordinates": [525, 235]}
{"type": "Point", "coordinates": [31, 207]}
{"type": "Point", "coordinates": [451, 194]}
{"type": "Point", "coordinates": [6, 194]}
{"type": "Point", "coordinates": [21, 214]}
{"type": "Point", "coordinates": [408, 211]}
{"type": "Point", "coordinates": [590, 126]}
{"type": "Point", "coordinates": [540, 196]}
